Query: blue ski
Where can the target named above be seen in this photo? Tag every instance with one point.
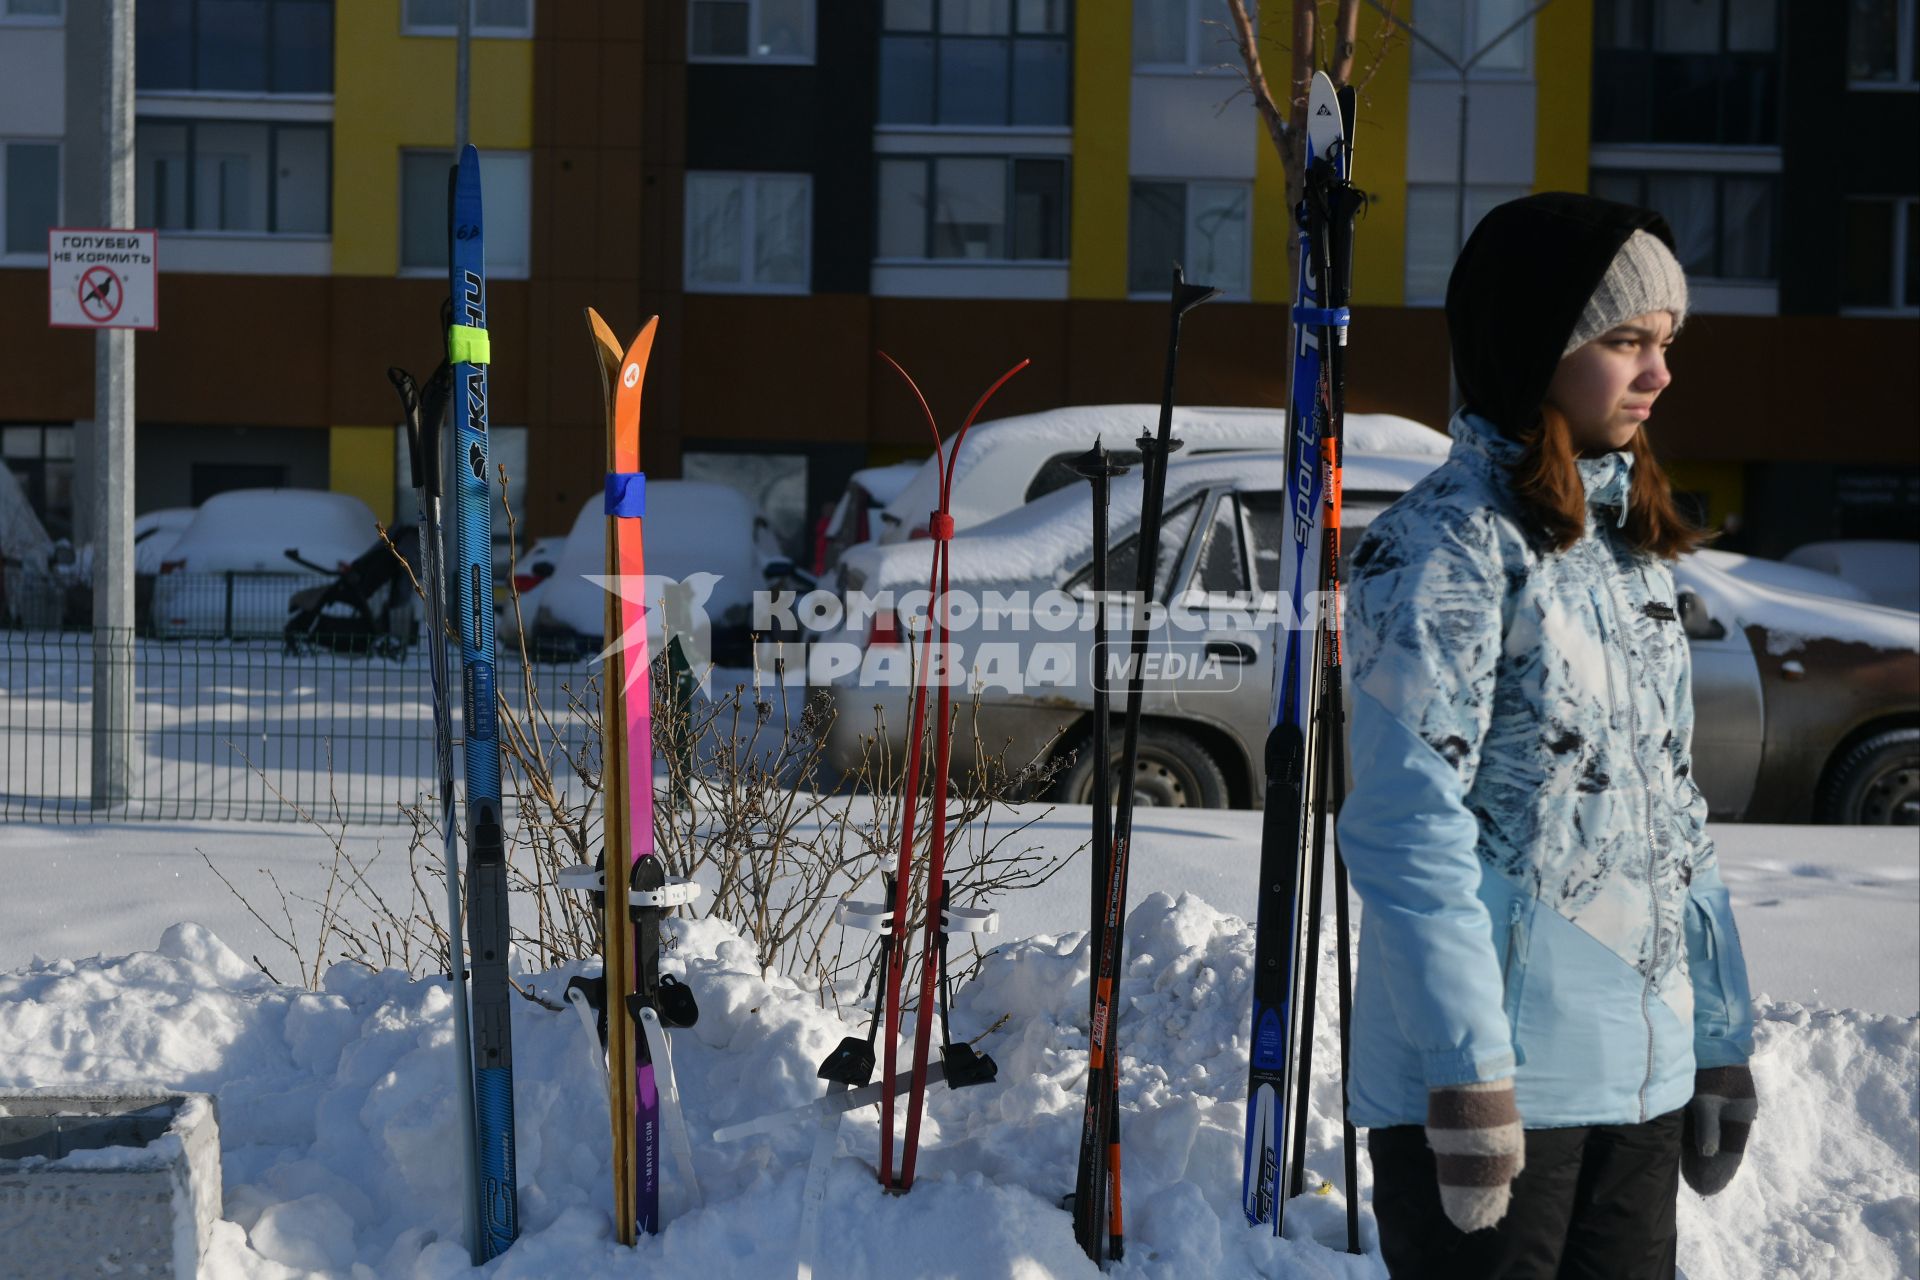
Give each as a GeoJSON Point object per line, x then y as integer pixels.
{"type": "Point", "coordinates": [488, 936]}
{"type": "Point", "coordinates": [1287, 824]}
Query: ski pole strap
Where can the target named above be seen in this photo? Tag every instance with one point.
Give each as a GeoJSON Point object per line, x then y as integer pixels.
{"type": "Point", "coordinates": [626, 493]}
{"type": "Point", "coordinates": [1336, 316]}
{"type": "Point", "coordinates": [468, 345]}
{"type": "Point", "coordinates": [940, 526]}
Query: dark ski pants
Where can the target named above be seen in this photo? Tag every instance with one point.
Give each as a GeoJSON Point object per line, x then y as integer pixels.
{"type": "Point", "coordinates": [1594, 1203]}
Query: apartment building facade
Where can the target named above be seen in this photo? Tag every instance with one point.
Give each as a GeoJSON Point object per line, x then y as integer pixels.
{"type": "Point", "coordinates": [793, 185]}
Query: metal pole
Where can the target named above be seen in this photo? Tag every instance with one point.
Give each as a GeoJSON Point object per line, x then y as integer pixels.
{"type": "Point", "coordinates": [112, 703]}
{"type": "Point", "coordinates": [462, 75]}
{"type": "Point", "coordinates": [1460, 171]}
{"type": "Point", "coordinates": [1460, 69]}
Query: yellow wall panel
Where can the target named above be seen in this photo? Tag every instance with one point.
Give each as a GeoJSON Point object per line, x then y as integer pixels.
{"type": "Point", "coordinates": [360, 461]}
{"type": "Point", "coordinates": [1723, 483]}
{"type": "Point", "coordinates": [1563, 75]}
{"type": "Point", "coordinates": [392, 91]}
{"type": "Point", "coordinates": [1380, 164]}
{"type": "Point", "coordinates": [1102, 92]}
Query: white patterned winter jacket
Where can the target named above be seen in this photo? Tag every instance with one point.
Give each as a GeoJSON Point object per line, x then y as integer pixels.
{"type": "Point", "coordinates": [1541, 898]}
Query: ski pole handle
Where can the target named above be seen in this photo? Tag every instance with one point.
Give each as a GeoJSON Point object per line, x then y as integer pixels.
{"type": "Point", "coordinates": [409, 391]}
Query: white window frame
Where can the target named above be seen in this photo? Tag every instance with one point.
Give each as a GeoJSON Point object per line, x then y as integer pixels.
{"type": "Point", "coordinates": [270, 123]}
{"type": "Point", "coordinates": [479, 32]}
{"type": "Point", "coordinates": [1906, 76]}
{"type": "Point", "coordinates": [1206, 31]}
{"type": "Point", "coordinates": [8, 18]}
{"type": "Point", "coordinates": [1902, 251]}
{"type": "Point", "coordinates": [1470, 40]}
{"type": "Point", "coordinates": [494, 271]}
{"type": "Point", "coordinates": [750, 181]}
{"type": "Point", "coordinates": [1187, 254]}
{"type": "Point", "coordinates": [931, 157]}
{"type": "Point", "coordinates": [806, 59]}
{"type": "Point", "coordinates": [1504, 191]}
{"type": "Point", "coordinates": [59, 199]}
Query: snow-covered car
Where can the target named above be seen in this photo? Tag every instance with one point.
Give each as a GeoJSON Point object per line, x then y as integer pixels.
{"type": "Point", "coordinates": [854, 517]}
{"type": "Point", "coordinates": [230, 574]}
{"type": "Point", "coordinates": [1012, 461]}
{"type": "Point", "coordinates": [1807, 706]}
{"type": "Point", "coordinates": [1888, 572]}
{"type": "Point", "coordinates": [709, 538]}
{"type": "Point", "coordinates": [154, 536]}
{"type": "Point", "coordinates": [1762, 572]}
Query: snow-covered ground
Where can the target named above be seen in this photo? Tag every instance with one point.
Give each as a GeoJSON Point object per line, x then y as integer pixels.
{"type": "Point", "coordinates": [336, 1107]}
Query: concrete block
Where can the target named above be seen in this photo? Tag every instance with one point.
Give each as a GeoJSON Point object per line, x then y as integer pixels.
{"type": "Point", "coordinates": [122, 1182]}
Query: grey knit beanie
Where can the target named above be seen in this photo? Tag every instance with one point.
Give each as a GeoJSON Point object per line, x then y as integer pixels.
{"type": "Point", "coordinates": [1644, 277]}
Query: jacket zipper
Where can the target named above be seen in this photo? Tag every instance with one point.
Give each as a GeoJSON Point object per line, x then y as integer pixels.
{"type": "Point", "coordinates": [1609, 572]}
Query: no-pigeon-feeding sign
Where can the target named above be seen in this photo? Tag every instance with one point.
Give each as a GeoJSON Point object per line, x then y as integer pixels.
{"type": "Point", "coordinates": [102, 279]}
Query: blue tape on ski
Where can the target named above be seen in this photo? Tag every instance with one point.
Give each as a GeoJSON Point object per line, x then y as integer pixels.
{"type": "Point", "coordinates": [626, 493]}
{"type": "Point", "coordinates": [1320, 315]}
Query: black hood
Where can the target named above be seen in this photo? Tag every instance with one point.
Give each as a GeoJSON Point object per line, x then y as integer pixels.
{"type": "Point", "coordinates": [1518, 289]}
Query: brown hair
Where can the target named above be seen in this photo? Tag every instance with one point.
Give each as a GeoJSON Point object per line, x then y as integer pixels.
{"type": "Point", "coordinates": [1552, 497]}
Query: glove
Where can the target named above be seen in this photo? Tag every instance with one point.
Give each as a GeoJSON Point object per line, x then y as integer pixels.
{"type": "Point", "coordinates": [1479, 1148]}
{"type": "Point", "coordinates": [1713, 1134]}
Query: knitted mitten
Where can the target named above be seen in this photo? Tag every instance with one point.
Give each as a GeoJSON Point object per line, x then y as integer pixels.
{"type": "Point", "coordinates": [1714, 1132]}
{"type": "Point", "coordinates": [1479, 1148]}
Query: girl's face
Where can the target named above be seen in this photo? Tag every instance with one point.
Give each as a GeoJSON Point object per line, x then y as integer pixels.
{"type": "Point", "coordinates": [1606, 389]}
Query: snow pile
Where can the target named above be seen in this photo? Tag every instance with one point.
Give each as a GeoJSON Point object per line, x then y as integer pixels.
{"type": "Point", "coordinates": [338, 1117]}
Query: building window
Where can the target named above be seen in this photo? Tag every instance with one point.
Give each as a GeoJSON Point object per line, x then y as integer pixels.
{"type": "Point", "coordinates": [750, 31]}
{"type": "Point", "coordinates": [1432, 240]}
{"type": "Point", "coordinates": [29, 196]}
{"type": "Point", "coordinates": [748, 232]}
{"type": "Point", "coordinates": [1883, 44]}
{"type": "Point", "coordinates": [1704, 72]}
{"type": "Point", "coordinates": [492, 19]}
{"type": "Point", "coordinates": [233, 175]}
{"type": "Point", "coordinates": [1723, 223]}
{"type": "Point", "coordinates": [989, 208]}
{"type": "Point", "coordinates": [41, 459]}
{"type": "Point", "coordinates": [1201, 225]}
{"type": "Point", "coordinates": [506, 187]}
{"type": "Point", "coordinates": [34, 13]}
{"type": "Point", "coordinates": [1184, 35]}
{"type": "Point", "coordinates": [234, 46]}
{"type": "Point", "coordinates": [1882, 255]}
{"type": "Point", "coordinates": [1463, 29]}
{"type": "Point", "coordinates": [984, 63]}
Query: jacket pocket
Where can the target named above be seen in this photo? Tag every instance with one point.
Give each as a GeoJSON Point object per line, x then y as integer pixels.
{"type": "Point", "coordinates": [1513, 973]}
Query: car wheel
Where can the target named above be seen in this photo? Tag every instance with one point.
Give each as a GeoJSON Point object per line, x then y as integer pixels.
{"type": "Point", "coordinates": [1877, 783]}
{"type": "Point", "coordinates": [1172, 771]}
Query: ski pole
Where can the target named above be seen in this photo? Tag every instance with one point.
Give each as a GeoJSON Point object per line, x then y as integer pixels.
{"type": "Point", "coordinates": [941, 526]}
{"type": "Point", "coordinates": [1099, 1138]}
{"type": "Point", "coordinates": [425, 417]}
{"type": "Point", "coordinates": [1090, 1191]}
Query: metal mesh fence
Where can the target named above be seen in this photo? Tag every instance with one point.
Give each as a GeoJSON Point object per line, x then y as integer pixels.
{"type": "Point", "coordinates": [231, 729]}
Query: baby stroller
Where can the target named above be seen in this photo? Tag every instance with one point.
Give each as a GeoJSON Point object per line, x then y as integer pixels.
{"type": "Point", "coordinates": [367, 607]}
